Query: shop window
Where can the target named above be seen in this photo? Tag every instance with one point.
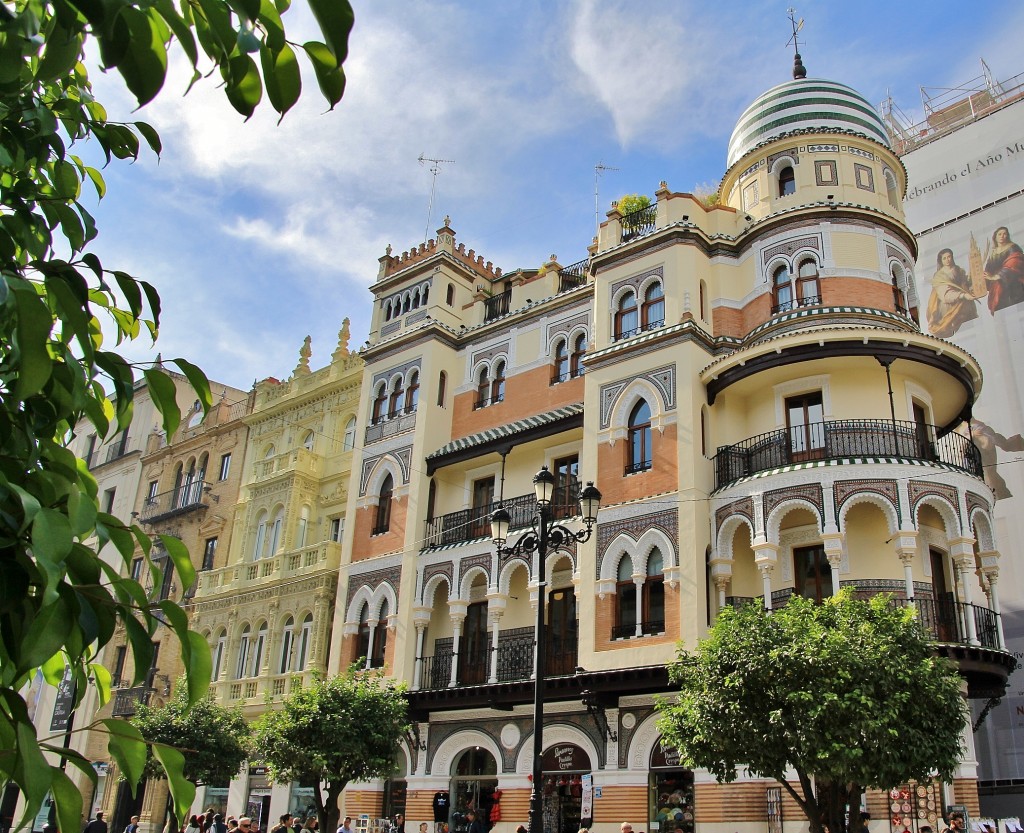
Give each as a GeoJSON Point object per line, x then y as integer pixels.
{"type": "Point", "coordinates": [787, 181]}
{"type": "Point", "coordinates": [382, 523]}
{"type": "Point", "coordinates": [653, 311]}
{"type": "Point", "coordinates": [627, 317]}
{"type": "Point", "coordinates": [579, 350]}
{"type": "Point", "coordinates": [807, 282]}
{"type": "Point", "coordinates": [380, 637]}
{"type": "Point", "coordinates": [639, 445]}
{"type": "Point", "coordinates": [654, 594]}
{"type": "Point", "coordinates": [476, 779]}
{"type": "Point", "coordinates": [671, 792]}
{"type": "Point", "coordinates": [625, 601]}
{"type": "Point", "coordinates": [782, 290]}
{"type": "Point", "coordinates": [813, 573]}
{"type": "Point", "coordinates": [805, 417]}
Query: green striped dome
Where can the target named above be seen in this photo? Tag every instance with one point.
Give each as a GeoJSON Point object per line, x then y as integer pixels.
{"type": "Point", "coordinates": [806, 103]}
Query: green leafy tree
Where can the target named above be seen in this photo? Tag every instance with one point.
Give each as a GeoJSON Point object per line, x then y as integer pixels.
{"type": "Point", "coordinates": [60, 601]}
{"type": "Point", "coordinates": [215, 739]}
{"type": "Point", "coordinates": [631, 203]}
{"type": "Point", "coordinates": [337, 730]}
{"type": "Point", "coordinates": [847, 694]}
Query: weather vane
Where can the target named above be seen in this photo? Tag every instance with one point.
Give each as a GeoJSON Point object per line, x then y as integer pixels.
{"type": "Point", "coordinates": [798, 66]}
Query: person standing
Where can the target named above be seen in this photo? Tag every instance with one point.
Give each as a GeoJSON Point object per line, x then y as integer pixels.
{"type": "Point", "coordinates": [399, 824]}
{"type": "Point", "coordinates": [346, 825]}
{"type": "Point", "coordinates": [132, 826]}
{"type": "Point", "coordinates": [475, 824]}
{"type": "Point", "coordinates": [97, 825]}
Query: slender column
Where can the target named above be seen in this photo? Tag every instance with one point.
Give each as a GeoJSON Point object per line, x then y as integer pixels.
{"type": "Point", "coordinates": [834, 543]}
{"type": "Point", "coordinates": [721, 582]}
{"type": "Point", "coordinates": [905, 542]}
{"type": "Point", "coordinates": [963, 565]}
{"type": "Point", "coordinates": [766, 556]}
{"type": "Point", "coordinates": [495, 630]}
{"type": "Point", "coordinates": [993, 603]}
{"type": "Point", "coordinates": [417, 674]}
{"type": "Point", "coordinates": [457, 612]}
{"type": "Point", "coordinates": [373, 623]}
{"type": "Point", "coordinates": [766, 582]}
{"type": "Point", "coordinates": [908, 574]}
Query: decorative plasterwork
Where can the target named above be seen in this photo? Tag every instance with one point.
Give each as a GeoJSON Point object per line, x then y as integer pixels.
{"type": "Point", "coordinates": [402, 370]}
{"type": "Point", "coordinates": [920, 489]}
{"type": "Point", "coordinates": [636, 280]}
{"type": "Point", "coordinates": [373, 579]}
{"type": "Point", "coordinates": [811, 492]}
{"type": "Point", "coordinates": [843, 490]}
{"type": "Point", "coordinates": [744, 507]}
{"type": "Point", "coordinates": [663, 379]}
{"type": "Point", "coordinates": [635, 527]}
{"type": "Point", "coordinates": [791, 246]}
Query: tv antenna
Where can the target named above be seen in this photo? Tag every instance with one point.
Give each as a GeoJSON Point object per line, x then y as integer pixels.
{"type": "Point", "coordinates": [435, 169]}
{"type": "Point", "coordinates": [599, 169]}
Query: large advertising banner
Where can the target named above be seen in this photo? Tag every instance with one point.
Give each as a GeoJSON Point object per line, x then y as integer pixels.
{"type": "Point", "coordinates": [965, 203]}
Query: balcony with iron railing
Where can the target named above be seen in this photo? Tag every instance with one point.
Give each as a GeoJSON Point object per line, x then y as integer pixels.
{"type": "Point", "coordinates": [126, 700]}
{"type": "Point", "coordinates": [797, 303]}
{"type": "Point", "coordinates": [188, 497]}
{"type": "Point", "coordinates": [515, 661]}
{"type": "Point", "coordinates": [474, 523]}
{"type": "Point", "coordinates": [845, 438]}
{"type": "Point", "coordinates": [115, 451]}
{"type": "Point", "coordinates": [497, 305]}
{"type": "Point", "coordinates": [620, 335]}
{"type": "Point", "coordinates": [573, 275]}
{"type": "Point", "coordinates": [627, 630]}
{"type": "Point", "coordinates": [638, 223]}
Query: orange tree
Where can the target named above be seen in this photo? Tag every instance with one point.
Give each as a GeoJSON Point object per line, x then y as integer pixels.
{"type": "Point", "coordinates": [60, 601]}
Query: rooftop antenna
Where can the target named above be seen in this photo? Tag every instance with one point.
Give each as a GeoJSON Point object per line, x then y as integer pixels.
{"type": "Point", "coordinates": [798, 64]}
{"type": "Point", "coordinates": [435, 169]}
{"type": "Point", "coordinates": [599, 169]}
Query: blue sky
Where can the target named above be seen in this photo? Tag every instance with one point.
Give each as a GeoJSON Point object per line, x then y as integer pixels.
{"type": "Point", "coordinates": [258, 234]}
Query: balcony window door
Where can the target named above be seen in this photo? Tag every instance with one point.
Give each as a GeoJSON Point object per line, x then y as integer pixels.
{"type": "Point", "coordinates": [625, 601]}
{"type": "Point", "coordinates": [579, 350]}
{"type": "Point", "coordinates": [787, 181]}
{"type": "Point", "coordinates": [305, 640]}
{"type": "Point", "coordinates": [363, 634]}
{"type": "Point", "coordinates": [395, 400]}
{"type": "Point", "coordinates": [945, 624]}
{"type": "Point", "coordinates": [653, 311]}
{"type": "Point", "coordinates": [805, 416]}
{"type": "Point", "coordinates": [382, 523]}
{"type": "Point", "coordinates": [498, 385]}
{"type": "Point", "coordinates": [379, 401]}
{"type": "Point", "coordinates": [561, 361]}
{"type": "Point", "coordinates": [287, 645]}
{"type": "Point", "coordinates": [639, 446]}
{"type": "Point", "coordinates": [474, 664]}
{"type": "Point", "coordinates": [923, 433]}
{"type": "Point", "coordinates": [483, 498]}
{"type": "Point", "coordinates": [813, 573]}
{"type": "Point", "coordinates": [654, 594]}
{"type": "Point", "coordinates": [412, 393]}
{"type": "Point", "coordinates": [807, 282]}
{"type": "Point", "coordinates": [380, 637]}
{"type": "Point", "coordinates": [562, 632]}
{"type": "Point", "coordinates": [483, 389]}
{"type": "Point", "coordinates": [627, 317]}
{"type": "Point", "coordinates": [567, 486]}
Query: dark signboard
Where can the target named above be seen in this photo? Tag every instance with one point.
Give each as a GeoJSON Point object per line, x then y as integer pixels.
{"type": "Point", "coordinates": [565, 757]}
{"type": "Point", "coordinates": [63, 705]}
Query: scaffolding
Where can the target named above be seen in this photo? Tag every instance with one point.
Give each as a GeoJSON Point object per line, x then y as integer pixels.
{"type": "Point", "coordinates": [947, 108]}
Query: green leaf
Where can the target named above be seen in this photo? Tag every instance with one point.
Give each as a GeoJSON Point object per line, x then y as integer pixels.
{"type": "Point", "coordinates": [163, 392]}
{"type": "Point", "coordinates": [282, 77]}
{"type": "Point", "coordinates": [142, 647]}
{"type": "Point", "coordinates": [31, 334]}
{"type": "Point", "coordinates": [127, 747]}
{"type": "Point", "coordinates": [335, 18]}
{"type": "Point", "coordinates": [130, 289]}
{"type": "Point", "coordinates": [199, 667]}
{"type": "Point", "coordinates": [144, 63]}
{"type": "Point", "coordinates": [51, 534]}
{"type": "Point", "coordinates": [196, 378]}
{"type": "Point", "coordinates": [150, 135]}
{"type": "Point", "coordinates": [68, 799]}
{"type": "Point", "coordinates": [244, 88]}
{"type": "Point", "coordinates": [182, 562]}
{"type": "Point", "coordinates": [180, 28]}
{"type": "Point", "coordinates": [270, 19]}
{"type": "Point", "coordinates": [182, 790]}
{"type": "Point", "coordinates": [36, 772]}
{"type": "Point", "coordinates": [46, 634]}
{"type": "Point", "coordinates": [329, 75]}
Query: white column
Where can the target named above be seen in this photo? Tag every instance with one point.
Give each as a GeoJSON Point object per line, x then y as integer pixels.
{"type": "Point", "coordinates": [963, 564]}
{"type": "Point", "coordinates": [905, 543]}
{"type": "Point", "coordinates": [495, 630]}
{"type": "Point", "coordinates": [456, 639]}
{"type": "Point", "coordinates": [834, 543]}
{"type": "Point", "coordinates": [766, 583]}
{"type": "Point", "coordinates": [766, 556]}
{"type": "Point", "coordinates": [417, 674]}
{"type": "Point", "coordinates": [638, 584]}
{"type": "Point", "coordinates": [993, 603]}
{"type": "Point", "coordinates": [369, 648]}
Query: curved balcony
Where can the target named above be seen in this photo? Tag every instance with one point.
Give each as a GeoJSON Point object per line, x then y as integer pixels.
{"type": "Point", "coordinates": [844, 438]}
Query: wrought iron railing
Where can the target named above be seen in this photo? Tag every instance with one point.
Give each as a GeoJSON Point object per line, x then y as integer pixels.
{"type": "Point", "coordinates": [844, 438]}
{"type": "Point", "coordinates": [786, 306]}
{"type": "Point", "coordinates": [628, 631]}
{"type": "Point", "coordinates": [436, 671]}
{"type": "Point", "coordinates": [515, 655]}
{"type": "Point", "coordinates": [185, 498]}
{"type": "Point", "coordinates": [635, 466]}
{"type": "Point", "coordinates": [637, 223]}
{"type": "Point", "coordinates": [515, 661]}
{"type": "Point", "coordinates": [475, 522]}
{"type": "Point", "coordinates": [650, 325]}
{"type": "Point", "coordinates": [573, 275]}
{"type": "Point", "coordinates": [497, 305]}
{"type": "Point", "coordinates": [484, 401]}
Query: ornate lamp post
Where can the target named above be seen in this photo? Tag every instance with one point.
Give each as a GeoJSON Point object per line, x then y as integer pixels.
{"type": "Point", "coordinates": [544, 534]}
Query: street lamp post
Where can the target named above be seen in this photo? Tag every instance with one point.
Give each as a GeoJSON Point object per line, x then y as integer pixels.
{"type": "Point", "coordinates": [543, 534]}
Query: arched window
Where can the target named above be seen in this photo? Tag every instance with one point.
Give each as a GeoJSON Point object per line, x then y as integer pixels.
{"type": "Point", "coordinates": [187, 489]}
{"type": "Point", "coordinates": [386, 307]}
{"type": "Point", "coordinates": [483, 389]}
{"type": "Point", "coordinates": [308, 440]}
{"type": "Point", "coordinates": [450, 299]}
{"type": "Point", "coordinates": [412, 393]}
{"type": "Point", "coordinates": [379, 401]}
{"type": "Point", "coordinates": [442, 388]}
{"type": "Point", "coordinates": [426, 294]}
{"type": "Point", "coordinates": [498, 384]}
{"type": "Point", "coordinates": [243, 654]}
{"type": "Point", "coordinates": [416, 299]}
{"type": "Point", "coordinates": [653, 312]}
{"type": "Point", "coordinates": [258, 650]}
{"type": "Point", "coordinates": [218, 656]}
{"type": "Point", "coordinates": [579, 350]}
{"type": "Point", "coordinates": [407, 304]}
{"type": "Point", "coordinates": [892, 191]}
{"type": "Point", "coordinates": [274, 536]}
{"type": "Point", "coordinates": [625, 601]}
{"type": "Point", "coordinates": [179, 478]}
{"type": "Point", "coordinates": [349, 441]}
{"type": "Point", "coordinates": [305, 641]}
{"type": "Point", "coordinates": [639, 445]}
{"type": "Point", "coordinates": [787, 181]}
{"type": "Point", "coordinates": [654, 594]}
{"type": "Point", "coordinates": [261, 536]}
{"type": "Point", "coordinates": [703, 301]}
{"type": "Point", "coordinates": [382, 522]}
{"type": "Point", "coordinates": [561, 362]}
{"type": "Point", "coordinates": [363, 635]}
{"type": "Point", "coordinates": [899, 298]}
{"type": "Point", "coordinates": [380, 638]}
{"type": "Point", "coordinates": [782, 290]}
{"type": "Point", "coordinates": [204, 463]}
{"type": "Point", "coordinates": [284, 664]}
{"type": "Point", "coordinates": [395, 402]}
{"type": "Point", "coordinates": [270, 452]}
{"type": "Point", "coordinates": [303, 526]}
{"type": "Point", "coordinates": [626, 316]}
{"type": "Point", "coordinates": [807, 288]}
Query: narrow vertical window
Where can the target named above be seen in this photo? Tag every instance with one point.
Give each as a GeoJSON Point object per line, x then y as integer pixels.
{"type": "Point", "coordinates": [653, 312]}
{"type": "Point", "coordinates": [579, 350]}
{"type": "Point", "coordinates": [498, 384]}
{"type": "Point", "coordinates": [639, 442]}
{"type": "Point", "coordinates": [787, 181]}
{"type": "Point", "coordinates": [625, 601]}
{"type": "Point", "coordinates": [626, 316]}
{"type": "Point", "coordinates": [561, 361]}
{"type": "Point", "coordinates": [209, 553]}
{"type": "Point", "coordinates": [412, 393]}
{"type": "Point", "coordinates": [349, 441]}
{"type": "Point", "coordinates": [442, 386]}
{"type": "Point", "coordinates": [287, 645]}
{"type": "Point", "coordinates": [382, 522]}
{"type": "Point", "coordinates": [225, 466]}
{"type": "Point", "coordinates": [782, 290]}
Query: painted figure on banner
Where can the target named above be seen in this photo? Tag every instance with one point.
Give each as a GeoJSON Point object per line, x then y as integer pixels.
{"type": "Point", "coordinates": [989, 443]}
{"type": "Point", "coordinates": [1004, 271]}
{"type": "Point", "coordinates": [951, 303]}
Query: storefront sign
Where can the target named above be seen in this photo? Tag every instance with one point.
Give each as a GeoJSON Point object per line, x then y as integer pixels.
{"type": "Point", "coordinates": [663, 757]}
{"type": "Point", "coordinates": [587, 799]}
{"type": "Point", "coordinates": [565, 757]}
{"type": "Point", "coordinates": [63, 705]}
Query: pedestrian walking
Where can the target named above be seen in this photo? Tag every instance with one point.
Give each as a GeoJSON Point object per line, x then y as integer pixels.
{"type": "Point", "coordinates": [97, 825]}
